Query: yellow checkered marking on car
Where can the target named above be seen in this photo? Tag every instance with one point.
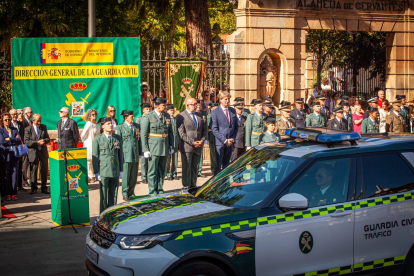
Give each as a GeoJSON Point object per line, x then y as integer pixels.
{"type": "Point", "coordinates": [384, 200]}
{"type": "Point", "coordinates": [356, 268]}
{"type": "Point", "coordinates": [379, 263]}
{"type": "Point", "coordinates": [238, 225]}
{"type": "Point", "coordinates": [305, 214]}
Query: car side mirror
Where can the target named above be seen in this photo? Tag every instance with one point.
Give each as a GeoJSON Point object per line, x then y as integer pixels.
{"type": "Point", "coordinates": [293, 202]}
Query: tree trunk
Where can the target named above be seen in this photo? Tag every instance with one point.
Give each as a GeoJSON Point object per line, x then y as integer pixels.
{"type": "Point", "coordinates": [198, 29]}
{"type": "Point", "coordinates": [319, 67]}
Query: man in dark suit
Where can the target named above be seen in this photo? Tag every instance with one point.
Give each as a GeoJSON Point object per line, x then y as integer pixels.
{"type": "Point", "coordinates": [338, 122]}
{"type": "Point", "coordinates": [225, 127]}
{"type": "Point", "coordinates": [68, 131]}
{"type": "Point", "coordinates": [36, 138]}
{"type": "Point", "coordinates": [299, 114]}
{"type": "Point", "coordinates": [239, 143]}
{"type": "Point", "coordinates": [27, 121]}
{"type": "Point", "coordinates": [19, 126]}
{"type": "Point", "coordinates": [192, 131]}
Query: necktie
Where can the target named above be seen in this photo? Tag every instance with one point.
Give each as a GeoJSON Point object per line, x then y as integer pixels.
{"type": "Point", "coordinates": [132, 127]}
{"type": "Point", "coordinates": [227, 116]}
{"type": "Point", "coordinates": [287, 122]}
{"type": "Point", "coordinates": [110, 139]}
{"type": "Point", "coordinates": [194, 120]}
{"type": "Point", "coordinates": [63, 123]}
{"type": "Point", "coordinates": [37, 135]}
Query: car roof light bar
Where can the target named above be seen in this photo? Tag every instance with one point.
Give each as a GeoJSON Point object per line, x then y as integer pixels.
{"type": "Point", "coordinates": [323, 135]}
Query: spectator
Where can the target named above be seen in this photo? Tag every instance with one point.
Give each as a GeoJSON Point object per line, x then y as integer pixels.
{"type": "Point", "coordinates": [357, 118]}
{"type": "Point", "coordinates": [411, 110]}
{"type": "Point", "coordinates": [36, 138]}
{"type": "Point", "coordinates": [352, 104]}
{"type": "Point", "coordinates": [110, 113]}
{"type": "Point", "coordinates": [381, 98]}
{"type": "Point", "coordinates": [19, 126]}
{"type": "Point", "coordinates": [20, 115]}
{"type": "Point", "coordinates": [335, 101]}
{"type": "Point", "coordinates": [192, 130]}
{"type": "Point", "coordinates": [146, 96]}
{"type": "Point", "coordinates": [68, 131]}
{"type": "Point", "coordinates": [384, 112]}
{"type": "Point", "coordinates": [325, 85]}
{"type": "Point", "coordinates": [9, 138]}
{"type": "Point", "coordinates": [162, 93]}
{"type": "Point", "coordinates": [27, 121]}
{"type": "Point", "coordinates": [315, 90]}
{"type": "Point", "coordinates": [224, 126]}
{"type": "Point", "coordinates": [1, 161]}
{"type": "Point", "coordinates": [205, 101]}
{"type": "Point", "coordinates": [89, 132]}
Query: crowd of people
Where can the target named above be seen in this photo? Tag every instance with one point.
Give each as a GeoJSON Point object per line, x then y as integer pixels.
{"type": "Point", "coordinates": [114, 149]}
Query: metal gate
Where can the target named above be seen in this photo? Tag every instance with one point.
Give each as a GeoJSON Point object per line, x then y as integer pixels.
{"type": "Point", "coordinates": [216, 72]}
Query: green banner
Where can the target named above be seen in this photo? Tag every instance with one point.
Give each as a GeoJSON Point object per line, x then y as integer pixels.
{"type": "Point", "coordinates": [184, 79]}
{"type": "Point", "coordinates": [78, 73]}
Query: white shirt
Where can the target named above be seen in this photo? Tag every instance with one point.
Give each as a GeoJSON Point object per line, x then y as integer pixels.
{"type": "Point", "coordinates": [158, 114]}
{"type": "Point", "coordinates": [287, 122]}
{"type": "Point", "coordinates": [64, 121]}
{"type": "Point", "coordinates": [107, 136]}
{"type": "Point", "coordinates": [271, 133]}
{"type": "Point", "coordinates": [128, 124]}
{"type": "Point", "coordinates": [260, 115]}
{"type": "Point", "coordinates": [15, 124]}
{"type": "Point", "coordinates": [224, 110]}
{"type": "Point", "coordinates": [28, 121]}
{"type": "Point", "coordinates": [371, 119]}
{"type": "Point", "coordinates": [323, 191]}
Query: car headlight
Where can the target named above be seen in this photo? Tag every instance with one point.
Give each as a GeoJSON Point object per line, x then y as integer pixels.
{"type": "Point", "coordinates": [141, 241]}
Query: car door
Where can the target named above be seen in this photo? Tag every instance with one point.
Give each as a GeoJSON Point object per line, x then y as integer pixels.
{"type": "Point", "coordinates": [384, 214]}
{"type": "Point", "coordinates": [317, 239]}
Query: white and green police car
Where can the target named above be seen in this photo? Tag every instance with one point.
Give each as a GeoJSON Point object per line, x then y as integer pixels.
{"type": "Point", "coordinates": [321, 203]}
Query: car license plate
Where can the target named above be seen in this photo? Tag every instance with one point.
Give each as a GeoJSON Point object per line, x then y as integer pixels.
{"type": "Point", "coordinates": [92, 255]}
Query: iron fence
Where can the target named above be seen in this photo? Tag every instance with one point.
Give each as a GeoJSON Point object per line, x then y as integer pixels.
{"type": "Point", "coordinates": [216, 69]}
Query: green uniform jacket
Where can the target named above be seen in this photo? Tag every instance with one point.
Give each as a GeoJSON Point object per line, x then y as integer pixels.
{"type": "Point", "coordinates": [152, 124]}
{"type": "Point", "coordinates": [107, 159]}
{"type": "Point", "coordinates": [246, 112]}
{"type": "Point", "coordinates": [313, 120]}
{"type": "Point", "coordinates": [254, 123]}
{"type": "Point", "coordinates": [175, 132]}
{"type": "Point", "coordinates": [266, 137]}
{"type": "Point", "coordinates": [131, 142]}
{"type": "Point", "coordinates": [368, 126]}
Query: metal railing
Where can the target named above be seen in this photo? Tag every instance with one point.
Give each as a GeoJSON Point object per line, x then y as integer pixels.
{"type": "Point", "coordinates": [216, 70]}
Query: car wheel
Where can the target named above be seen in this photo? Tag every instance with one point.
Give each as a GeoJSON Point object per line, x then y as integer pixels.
{"type": "Point", "coordinates": [198, 268]}
{"type": "Point", "coordinates": [409, 267]}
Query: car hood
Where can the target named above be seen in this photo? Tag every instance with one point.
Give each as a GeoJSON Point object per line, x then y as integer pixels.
{"type": "Point", "coordinates": [168, 213]}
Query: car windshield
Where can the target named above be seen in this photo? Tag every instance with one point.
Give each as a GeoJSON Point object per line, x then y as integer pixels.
{"type": "Point", "coordinates": [246, 182]}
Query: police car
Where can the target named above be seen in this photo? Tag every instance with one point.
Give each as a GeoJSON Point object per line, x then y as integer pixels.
{"type": "Point", "coordinates": [320, 203]}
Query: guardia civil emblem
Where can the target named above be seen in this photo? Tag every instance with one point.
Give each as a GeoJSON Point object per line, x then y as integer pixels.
{"type": "Point", "coordinates": [305, 242]}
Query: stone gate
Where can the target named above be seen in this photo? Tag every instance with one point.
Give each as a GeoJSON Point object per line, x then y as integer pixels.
{"type": "Point", "coordinates": [268, 49]}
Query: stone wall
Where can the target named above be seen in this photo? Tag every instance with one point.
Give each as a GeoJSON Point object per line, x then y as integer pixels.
{"type": "Point", "coordinates": [278, 29]}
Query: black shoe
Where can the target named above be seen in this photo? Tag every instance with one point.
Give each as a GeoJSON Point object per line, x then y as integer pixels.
{"type": "Point", "coordinates": [21, 189]}
{"type": "Point", "coordinates": [125, 198]}
{"type": "Point", "coordinates": [45, 192]}
{"type": "Point", "coordinates": [145, 181]}
{"type": "Point", "coordinates": [170, 178]}
{"type": "Point", "coordinates": [176, 178]}
{"type": "Point", "coordinates": [201, 175]}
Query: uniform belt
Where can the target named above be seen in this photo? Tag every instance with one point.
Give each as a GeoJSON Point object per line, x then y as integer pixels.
{"type": "Point", "coordinates": [158, 135]}
{"type": "Point", "coordinates": [258, 133]}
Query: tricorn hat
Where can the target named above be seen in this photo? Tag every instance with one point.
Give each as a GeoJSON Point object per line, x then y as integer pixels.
{"type": "Point", "coordinates": [256, 101]}
{"type": "Point", "coordinates": [400, 97]}
{"type": "Point", "coordinates": [104, 120]}
{"type": "Point", "coordinates": [299, 100]}
{"type": "Point", "coordinates": [127, 112]}
{"type": "Point", "coordinates": [372, 109]}
{"type": "Point", "coordinates": [270, 119]}
{"type": "Point", "coordinates": [339, 109]}
{"type": "Point", "coordinates": [239, 99]}
{"type": "Point", "coordinates": [372, 100]}
{"type": "Point", "coordinates": [170, 106]}
{"type": "Point", "coordinates": [158, 100]}
{"type": "Point", "coordinates": [144, 105]}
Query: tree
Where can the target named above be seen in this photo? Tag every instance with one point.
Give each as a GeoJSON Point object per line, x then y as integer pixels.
{"type": "Point", "coordinates": [198, 27]}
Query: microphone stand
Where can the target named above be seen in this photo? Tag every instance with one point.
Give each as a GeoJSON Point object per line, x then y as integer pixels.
{"type": "Point", "coordinates": [70, 221]}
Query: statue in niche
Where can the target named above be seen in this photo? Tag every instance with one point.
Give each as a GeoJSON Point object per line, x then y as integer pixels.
{"type": "Point", "coordinates": [268, 78]}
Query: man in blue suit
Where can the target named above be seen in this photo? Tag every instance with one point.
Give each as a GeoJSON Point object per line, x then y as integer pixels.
{"type": "Point", "coordinates": [224, 127]}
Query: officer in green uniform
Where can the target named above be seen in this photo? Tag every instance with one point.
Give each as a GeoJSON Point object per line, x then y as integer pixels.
{"type": "Point", "coordinates": [270, 135]}
{"type": "Point", "coordinates": [172, 160]}
{"type": "Point", "coordinates": [255, 125]}
{"type": "Point", "coordinates": [157, 142]}
{"type": "Point", "coordinates": [315, 119]}
{"type": "Point", "coordinates": [131, 147]}
{"type": "Point", "coordinates": [211, 139]}
{"type": "Point", "coordinates": [371, 124]}
{"type": "Point", "coordinates": [107, 160]}
{"type": "Point", "coordinates": [203, 114]}
{"type": "Point", "coordinates": [145, 108]}
{"type": "Point", "coordinates": [240, 100]}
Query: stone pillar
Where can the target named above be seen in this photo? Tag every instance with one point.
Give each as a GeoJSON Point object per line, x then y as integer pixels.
{"type": "Point", "coordinates": [400, 61]}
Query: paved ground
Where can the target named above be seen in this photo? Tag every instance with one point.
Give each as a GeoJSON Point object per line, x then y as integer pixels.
{"type": "Point", "coordinates": [28, 245]}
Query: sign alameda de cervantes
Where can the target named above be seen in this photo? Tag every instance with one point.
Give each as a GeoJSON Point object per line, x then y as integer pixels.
{"type": "Point", "coordinates": [79, 73]}
{"type": "Point", "coordinates": [347, 5]}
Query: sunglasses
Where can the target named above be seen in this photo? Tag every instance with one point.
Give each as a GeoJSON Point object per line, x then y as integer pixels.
{"type": "Point", "coordinates": [111, 110]}
{"type": "Point", "coordinates": [13, 114]}
{"type": "Point", "coordinates": [144, 89]}
{"type": "Point", "coordinates": [6, 120]}
{"type": "Point", "coordinates": [30, 112]}
{"type": "Point", "coordinates": [93, 114]}
{"type": "Point", "coordinates": [61, 111]}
